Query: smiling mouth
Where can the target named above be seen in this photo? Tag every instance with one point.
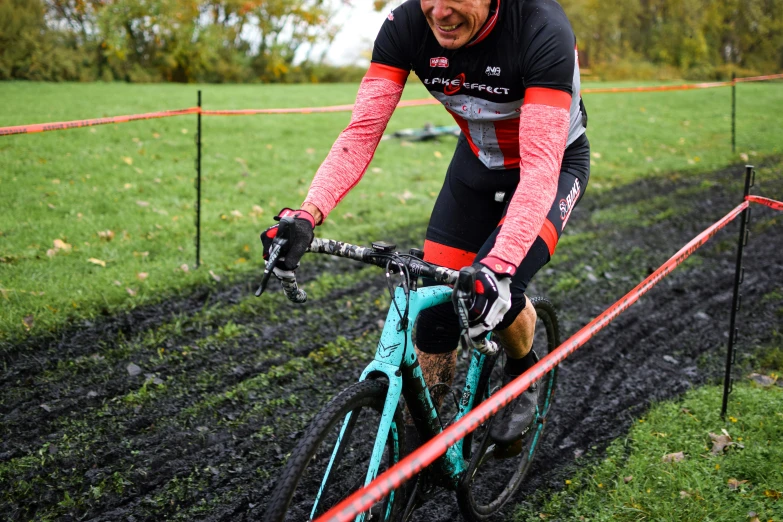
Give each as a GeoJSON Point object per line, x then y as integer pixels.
{"type": "Point", "coordinates": [448, 28]}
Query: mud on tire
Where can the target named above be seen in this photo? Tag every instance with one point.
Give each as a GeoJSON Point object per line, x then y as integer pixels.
{"type": "Point", "coordinates": [489, 481]}
{"type": "Point", "coordinates": [301, 479]}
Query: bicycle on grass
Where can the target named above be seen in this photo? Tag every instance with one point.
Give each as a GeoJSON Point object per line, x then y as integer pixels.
{"type": "Point", "coordinates": [360, 432]}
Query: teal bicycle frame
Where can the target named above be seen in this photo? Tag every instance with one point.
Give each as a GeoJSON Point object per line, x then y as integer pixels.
{"type": "Point", "coordinates": [396, 359]}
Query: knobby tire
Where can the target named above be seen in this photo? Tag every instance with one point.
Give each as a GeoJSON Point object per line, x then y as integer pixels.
{"type": "Point", "coordinates": [503, 477]}
{"type": "Point", "coordinates": [293, 497]}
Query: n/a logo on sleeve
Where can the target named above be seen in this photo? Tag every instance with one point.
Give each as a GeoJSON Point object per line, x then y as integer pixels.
{"type": "Point", "coordinates": [492, 71]}
{"type": "Point", "coordinates": [440, 61]}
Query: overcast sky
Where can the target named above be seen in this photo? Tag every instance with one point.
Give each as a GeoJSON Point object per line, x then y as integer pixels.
{"type": "Point", "coordinates": [360, 25]}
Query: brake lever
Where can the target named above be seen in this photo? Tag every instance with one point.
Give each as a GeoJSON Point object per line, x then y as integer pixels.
{"type": "Point", "coordinates": [274, 252]}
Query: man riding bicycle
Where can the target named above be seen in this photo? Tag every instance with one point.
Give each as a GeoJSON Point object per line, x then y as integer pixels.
{"type": "Point", "coordinates": [508, 72]}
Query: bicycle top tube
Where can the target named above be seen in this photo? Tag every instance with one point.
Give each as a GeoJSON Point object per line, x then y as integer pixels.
{"type": "Point", "coordinates": [371, 256]}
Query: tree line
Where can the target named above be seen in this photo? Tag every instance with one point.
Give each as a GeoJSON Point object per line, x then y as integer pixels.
{"type": "Point", "coordinates": [262, 40]}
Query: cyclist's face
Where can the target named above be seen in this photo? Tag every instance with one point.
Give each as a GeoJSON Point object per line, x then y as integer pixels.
{"type": "Point", "coordinates": [455, 22]}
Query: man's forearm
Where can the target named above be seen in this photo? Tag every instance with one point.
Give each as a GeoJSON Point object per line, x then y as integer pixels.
{"type": "Point", "coordinates": [353, 150]}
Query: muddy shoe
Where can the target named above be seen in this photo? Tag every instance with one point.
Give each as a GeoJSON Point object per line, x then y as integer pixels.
{"type": "Point", "coordinates": [515, 419]}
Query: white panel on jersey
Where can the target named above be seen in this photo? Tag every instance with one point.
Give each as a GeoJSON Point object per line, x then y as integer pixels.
{"type": "Point", "coordinates": [576, 128]}
{"type": "Point", "coordinates": [475, 109]}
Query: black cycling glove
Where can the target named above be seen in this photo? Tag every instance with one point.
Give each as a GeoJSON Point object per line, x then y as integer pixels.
{"type": "Point", "coordinates": [491, 301]}
{"type": "Point", "coordinates": [299, 235]}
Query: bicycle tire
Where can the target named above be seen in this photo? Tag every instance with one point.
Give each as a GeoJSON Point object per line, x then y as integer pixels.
{"type": "Point", "coordinates": [301, 478]}
{"type": "Point", "coordinates": [489, 482]}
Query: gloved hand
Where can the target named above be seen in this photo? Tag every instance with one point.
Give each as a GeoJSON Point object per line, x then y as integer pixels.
{"type": "Point", "coordinates": [491, 301]}
{"type": "Point", "coordinates": [299, 235]}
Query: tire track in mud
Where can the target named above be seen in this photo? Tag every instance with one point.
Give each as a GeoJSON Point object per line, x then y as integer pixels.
{"type": "Point", "coordinates": [212, 452]}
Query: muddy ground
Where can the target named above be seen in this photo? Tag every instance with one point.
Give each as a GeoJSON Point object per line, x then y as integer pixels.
{"type": "Point", "coordinates": [186, 409]}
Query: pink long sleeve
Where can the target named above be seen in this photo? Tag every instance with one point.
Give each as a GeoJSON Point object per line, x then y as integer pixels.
{"type": "Point", "coordinates": [543, 131]}
{"type": "Point", "coordinates": [344, 166]}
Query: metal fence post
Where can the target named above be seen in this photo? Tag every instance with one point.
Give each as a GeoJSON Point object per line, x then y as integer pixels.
{"type": "Point", "coordinates": [739, 274]}
{"type": "Point", "coordinates": [198, 184]}
{"type": "Point", "coordinates": [733, 112]}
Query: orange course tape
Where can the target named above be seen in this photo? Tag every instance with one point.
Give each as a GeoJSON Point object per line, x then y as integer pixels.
{"type": "Point", "coordinates": [760, 78]}
{"type": "Point", "coordinates": [771, 203]}
{"type": "Point", "coordinates": [658, 88]}
{"type": "Point", "coordinates": [394, 477]}
{"type": "Point", "coordinates": [43, 127]}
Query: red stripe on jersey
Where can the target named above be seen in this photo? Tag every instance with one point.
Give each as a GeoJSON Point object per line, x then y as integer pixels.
{"type": "Point", "coordinates": [549, 234]}
{"type": "Point", "coordinates": [463, 125]}
{"type": "Point", "coordinates": [488, 26]}
{"type": "Point", "coordinates": [387, 72]}
{"type": "Point", "coordinates": [551, 97]}
{"type": "Point", "coordinates": [450, 257]}
{"type": "Point", "coordinates": [507, 133]}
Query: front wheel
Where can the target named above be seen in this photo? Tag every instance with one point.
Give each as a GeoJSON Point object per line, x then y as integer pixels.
{"type": "Point", "coordinates": [493, 475]}
{"type": "Point", "coordinates": [331, 460]}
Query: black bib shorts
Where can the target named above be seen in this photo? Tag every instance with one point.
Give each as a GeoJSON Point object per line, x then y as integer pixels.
{"type": "Point", "coordinates": [466, 219]}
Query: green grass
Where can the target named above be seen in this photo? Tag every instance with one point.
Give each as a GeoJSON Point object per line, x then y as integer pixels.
{"type": "Point", "coordinates": [136, 180]}
{"type": "Point", "coordinates": [633, 483]}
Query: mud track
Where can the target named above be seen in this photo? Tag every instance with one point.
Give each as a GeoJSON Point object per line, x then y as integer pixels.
{"type": "Point", "coordinates": [187, 409]}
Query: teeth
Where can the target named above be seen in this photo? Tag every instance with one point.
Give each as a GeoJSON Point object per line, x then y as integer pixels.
{"type": "Point", "coordinates": [448, 27]}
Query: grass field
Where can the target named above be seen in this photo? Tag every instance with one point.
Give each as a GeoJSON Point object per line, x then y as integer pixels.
{"type": "Point", "coordinates": [100, 219]}
{"type": "Point", "coordinates": [703, 478]}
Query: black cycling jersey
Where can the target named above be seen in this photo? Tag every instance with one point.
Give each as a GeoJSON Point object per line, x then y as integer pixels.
{"type": "Point", "coordinates": [523, 44]}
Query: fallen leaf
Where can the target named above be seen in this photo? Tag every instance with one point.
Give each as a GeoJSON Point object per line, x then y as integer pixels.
{"type": "Point", "coordinates": [684, 494]}
{"type": "Point", "coordinates": [28, 322]}
{"type": "Point", "coordinates": [184, 268]}
{"type": "Point", "coordinates": [106, 235]}
{"type": "Point", "coordinates": [734, 484]}
{"type": "Point", "coordinates": [184, 131]}
{"type": "Point", "coordinates": [51, 206]}
{"type": "Point", "coordinates": [131, 291]}
{"type": "Point", "coordinates": [310, 151]}
{"type": "Point", "coordinates": [117, 283]}
{"type": "Point", "coordinates": [214, 276]}
{"type": "Point", "coordinates": [256, 212]}
{"type": "Point", "coordinates": [141, 276]}
{"type": "Point", "coordinates": [51, 252]}
{"type": "Point", "coordinates": [438, 154]}
{"type": "Point", "coordinates": [236, 213]}
{"type": "Point", "coordinates": [155, 135]}
{"type": "Point", "coordinates": [761, 380]}
{"type": "Point", "coordinates": [597, 155]}
{"type": "Point", "coordinates": [628, 479]}
{"type": "Point", "coordinates": [674, 457]}
{"type": "Point", "coordinates": [56, 181]}
{"type": "Point", "coordinates": [59, 244]}
{"type": "Point", "coordinates": [720, 443]}
{"type": "Point", "coordinates": [143, 203]}
{"type": "Point", "coordinates": [127, 160]}
{"type": "Point", "coordinates": [771, 493]}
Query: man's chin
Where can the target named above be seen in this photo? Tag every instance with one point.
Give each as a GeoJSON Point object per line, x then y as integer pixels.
{"type": "Point", "coordinates": [451, 43]}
